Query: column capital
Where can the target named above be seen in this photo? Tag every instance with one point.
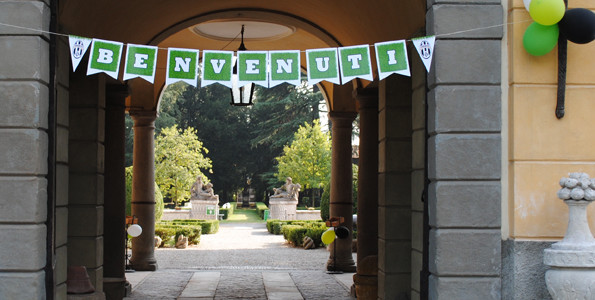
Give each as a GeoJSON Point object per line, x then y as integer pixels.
{"type": "Point", "coordinates": [342, 119]}
{"type": "Point", "coordinates": [366, 97]}
{"type": "Point", "coordinates": [143, 117]}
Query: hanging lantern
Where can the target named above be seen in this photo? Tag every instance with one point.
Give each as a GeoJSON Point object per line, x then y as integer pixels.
{"type": "Point", "coordinates": [240, 95]}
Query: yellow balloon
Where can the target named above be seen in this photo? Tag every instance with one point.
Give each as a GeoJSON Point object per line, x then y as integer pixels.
{"type": "Point", "coordinates": [547, 12]}
{"type": "Point", "coordinates": [328, 236]}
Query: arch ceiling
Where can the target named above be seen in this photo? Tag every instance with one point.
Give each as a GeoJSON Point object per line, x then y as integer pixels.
{"type": "Point", "coordinates": [270, 25]}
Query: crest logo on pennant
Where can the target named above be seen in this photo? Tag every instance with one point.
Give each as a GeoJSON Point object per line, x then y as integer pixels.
{"type": "Point", "coordinates": [425, 50]}
{"type": "Point", "coordinates": [78, 49]}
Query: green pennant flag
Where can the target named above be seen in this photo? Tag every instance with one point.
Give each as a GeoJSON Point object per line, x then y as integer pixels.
{"type": "Point", "coordinates": [355, 63]}
{"type": "Point", "coordinates": [216, 67]}
{"type": "Point", "coordinates": [391, 57]}
{"type": "Point", "coordinates": [322, 65]}
{"type": "Point", "coordinates": [285, 67]}
{"type": "Point", "coordinates": [182, 65]}
{"type": "Point", "coordinates": [252, 68]}
{"type": "Point", "coordinates": [105, 57]}
{"type": "Point", "coordinates": [140, 62]}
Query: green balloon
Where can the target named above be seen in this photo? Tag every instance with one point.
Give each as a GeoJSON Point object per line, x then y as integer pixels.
{"type": "Point", "coordinates": [547, 12]}
{"type": "Point", "coordinates": [540, 40]}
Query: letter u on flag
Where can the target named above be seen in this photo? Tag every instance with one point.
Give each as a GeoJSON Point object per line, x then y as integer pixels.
{"type": "Point", "coordinates": [355, 63]}
{"type": "Point", "coordinates": [182, 65]}
{"type": "Point", "coordinates": [105, 57]}
{"type": "Point", "coordinates": [216, 67]}
{"type": "Point", "coordinates": [252, 68]}
{"type": "Point", "coordinates": [391, 57]}
{"type": "Point", "coordinates": [140, 62]}
{"type": "Point", "coordinates": [322, 65]}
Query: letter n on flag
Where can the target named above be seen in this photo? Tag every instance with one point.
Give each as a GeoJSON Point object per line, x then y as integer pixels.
{"type": "Point", "coordinates": [105, 57]}
{"type": "Point", "coordinates": [182, 65]}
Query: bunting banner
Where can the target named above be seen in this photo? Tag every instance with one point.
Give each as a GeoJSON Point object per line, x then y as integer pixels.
{"type": "Point", "coordinates": [265, 68]}
{"type": "Point", "coordinates": [355, 63]}
{"type": "Point", "coordinates": [391, 58]}
{"type": "Point", "coordinates": [105, 57]}
{"type": "Point", "coordinates": [285, 67]}
{"type": "Point", "coordinates": [252, 68]}
{"type": "Point", "coordinates": [182, 65]}
{"type": "Point", "coordinates": [216, 67]}
{"type": "Point", "coordinates": [425, 48]}
{"type": "Point", "coordinates": [322, 65]}
{"type": "Point", "coordinates": [78, 48]}
{"type": "Point", "coordinates": [140, 62]}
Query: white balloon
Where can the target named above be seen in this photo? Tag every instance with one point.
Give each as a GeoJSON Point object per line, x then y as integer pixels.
{"type": "Point", "coordinates": [527, 4]}
{"type": "Point", "coordinates": [134, 230]}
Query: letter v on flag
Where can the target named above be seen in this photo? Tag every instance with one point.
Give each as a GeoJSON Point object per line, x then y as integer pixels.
{"type": "Point", "coordinates": [391, 57]}
{"type": "Point", "coordinates": [105, 57]}
{"type": "Point", "coordinates": [140, 62]}
{"type": "Point", "coordinates": [216, 67]}
{"type": "Point", "coordinates": [182, 65]}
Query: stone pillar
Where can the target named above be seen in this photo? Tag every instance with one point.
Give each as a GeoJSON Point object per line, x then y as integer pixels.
{"type": "Point", "coordinates": [114, 281]}
{"type": "Point", "coordinates": [366, 279]}
{"type": "Point", "coordinates": [143, 190]}
{"type": "Point", "coordinates": [341, 203]}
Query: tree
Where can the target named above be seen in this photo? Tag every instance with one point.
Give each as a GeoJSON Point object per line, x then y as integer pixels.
{"type": "Point", "coordinates": [308, 159]}
{"type": "Point", "coordinates": [179, 158]}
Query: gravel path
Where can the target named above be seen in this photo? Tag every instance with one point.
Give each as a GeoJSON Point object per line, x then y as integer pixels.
{"type": "Point", "coordinates": [246, 246]}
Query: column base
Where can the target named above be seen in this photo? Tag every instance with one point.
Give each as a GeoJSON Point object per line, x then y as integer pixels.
{"type": "Point", "coordinates": [145, 266]}
{"type": "Point", "coordinates": [366, 286]}
{"type": "Point", "coordinates": [91, 296]}
{"type": "Point", "coordinates": [114, 288]}
{"type": "Point", "coordinates": [345, 266]}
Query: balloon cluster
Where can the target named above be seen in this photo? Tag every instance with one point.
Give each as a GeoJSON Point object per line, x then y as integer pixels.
{"type": "Point", "coordinates": [552, 19]}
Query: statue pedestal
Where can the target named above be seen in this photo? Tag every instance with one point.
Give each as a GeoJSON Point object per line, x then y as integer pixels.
{"type": "Point", "coordinates": [204, 209]}
{"type": "Point", "coordinates": [282, 208]}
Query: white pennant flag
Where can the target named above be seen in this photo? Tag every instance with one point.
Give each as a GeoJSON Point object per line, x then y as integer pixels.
{"type": "Point", "coordinates": [78, 48]}
{"type": "Point", "coordinates": [425, 48]}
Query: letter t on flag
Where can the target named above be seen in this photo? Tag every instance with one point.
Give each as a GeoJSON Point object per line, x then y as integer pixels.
{"type": "Point", "coordinates": [105, 57]}
{"type": "Point", "coordinates": [140, 62]}
{"type": "Point", "coordinates": [355, 63]}
{"type": "Point", "coordinates": [182, 65]}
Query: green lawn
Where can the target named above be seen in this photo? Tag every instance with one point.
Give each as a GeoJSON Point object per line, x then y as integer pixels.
{"type": "Point", "coordinates": [244, 216]}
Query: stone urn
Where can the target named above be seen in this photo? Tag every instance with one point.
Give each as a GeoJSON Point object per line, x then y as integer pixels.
{"type": "Point", "coordinates": [572, 260]}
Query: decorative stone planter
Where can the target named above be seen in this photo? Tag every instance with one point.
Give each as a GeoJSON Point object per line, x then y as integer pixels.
{"type": "Point", "coordinates": [572, 260]}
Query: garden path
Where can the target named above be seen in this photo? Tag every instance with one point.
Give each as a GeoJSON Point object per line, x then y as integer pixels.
{"type": "Point", "coordinates": [241, 261]}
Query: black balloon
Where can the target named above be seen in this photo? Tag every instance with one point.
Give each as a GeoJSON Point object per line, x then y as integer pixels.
{"type": "Point", "coordinates": [342, 232]}
{"type": "Point", "coordinates": [578, 25]}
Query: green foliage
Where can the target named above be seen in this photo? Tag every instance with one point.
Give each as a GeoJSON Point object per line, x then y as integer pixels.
{"type": "Point", "coordinates": [207, 226]}
{"type": "Point", "coordinates": [169, 232]}
{"type": "Point", "coordinates": [294, 232]}
{"type": "Point", "coordinates": [308, 159]}
{"type": "Point", "coordinates": [261, 207]}
{"type": "Point", "coordinates": [325, 201]}
{"type": "Point", "coordinates": [158, 196]}
{"type": "Point", "coordinates": [179, 158]}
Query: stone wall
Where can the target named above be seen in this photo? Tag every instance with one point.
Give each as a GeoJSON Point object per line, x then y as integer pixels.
{"type": "Point", "coordinates": [464, 111]}
{"type": "Point", "coordinates": [24, 106]}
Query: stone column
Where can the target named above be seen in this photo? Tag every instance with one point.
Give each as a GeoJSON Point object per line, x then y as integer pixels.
{"type": "Point", "coordinates": [366, 279]}
{"type": "Point", "coordinates": [341, 203]}
{"type": "Point", "coordinates": [114, 281]}
{"type": "Point", "coordinates": [143, 190]}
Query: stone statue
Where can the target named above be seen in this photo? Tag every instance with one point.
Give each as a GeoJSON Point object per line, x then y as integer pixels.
{"type": "Point", "coordinates": [207, 193]}
{"type": "Point", "coordinates": [289, 190]}
{"type": "Point", "coordinates": [196, 187]}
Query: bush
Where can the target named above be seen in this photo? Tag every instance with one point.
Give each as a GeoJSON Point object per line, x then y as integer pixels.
{"type": "Point", "coordinates": [277, 226]}
{"type": "Point", "coordinates": [294, 234]}
{"type": "Point", "coordinates": [261, 207]}
{"type": "Point", "coordinates": [227, 211]}
{"type": "Point", "coordinates": [171, 232]}
{"type": "Point", "coordinates": [270, 224]}
{"type": "Point", "coordinates": [207, 226]}
{"type": "Point", "coordinates": [324, 202]}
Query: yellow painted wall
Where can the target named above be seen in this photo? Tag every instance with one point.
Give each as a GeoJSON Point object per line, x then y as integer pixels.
{"type": "Point", "coordinates": [542, 149]}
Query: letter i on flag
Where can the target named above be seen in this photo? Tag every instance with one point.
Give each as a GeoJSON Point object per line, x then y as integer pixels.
{"type": "Point", "coordinates": [425, 48]}
{"type": "Point", "coordinates": [391, 57]}
{"type": "Point", "coordinates": [285, 67]}
{"type": "Point", "coordinates": [355, 63]}
{"type": "Point", "coordinates": [78, 48]}
{"type": "Point", "coordinates": [322, 65]}
{"type": "Point", "coordinates": [182, 65]}
{"type": "Point", "coordinates": [105, 57]}
{"type": "Point", "coordinates": [216, 67]}
{"type": "Point", "coordinates": [140, 62]}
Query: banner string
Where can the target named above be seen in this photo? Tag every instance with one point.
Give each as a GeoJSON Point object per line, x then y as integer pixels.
{"type": "Point", "coordinates": [160, 48]}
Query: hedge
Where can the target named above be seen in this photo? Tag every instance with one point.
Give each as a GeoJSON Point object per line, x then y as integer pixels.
{"type": "Point", "coordinates": [227, 211]}
{"type": "Point", "coordinates": [208, 226]}
{"type": "Point", "coordinates": [170, 233]}
{"type": "Point", "coordinates": [261, 207]}
{"type": "Point", "coordinates": [295, 233]}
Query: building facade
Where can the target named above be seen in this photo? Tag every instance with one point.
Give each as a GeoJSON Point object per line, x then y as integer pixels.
{"type": "Point", "coordinates": [461, 164]}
